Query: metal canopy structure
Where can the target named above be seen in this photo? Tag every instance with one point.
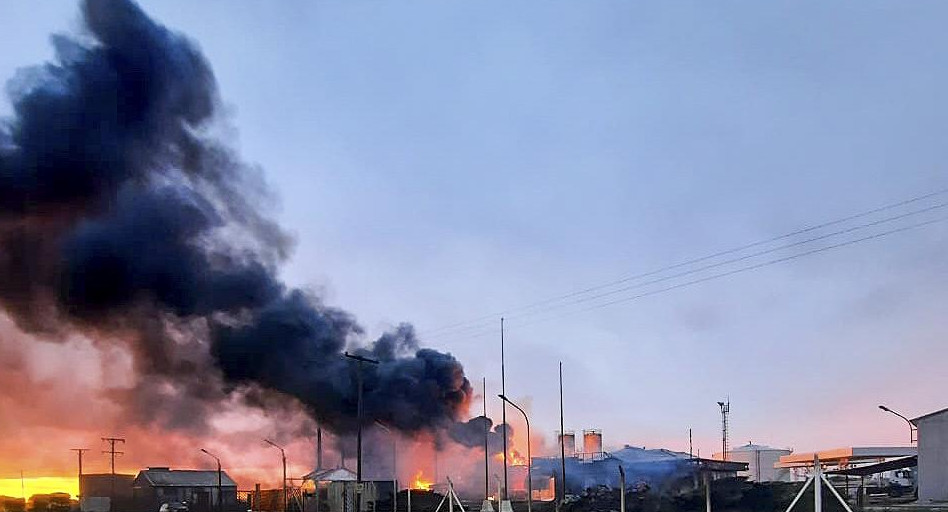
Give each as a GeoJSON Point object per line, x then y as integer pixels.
{"type": "Point", "coordinates": [843, 456]}
{"type": "Point", "coordinates": [872, 469]}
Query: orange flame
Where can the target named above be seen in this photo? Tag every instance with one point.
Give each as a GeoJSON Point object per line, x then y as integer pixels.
{"type": "Point", "coordinates": [514, 458]}
{"type": "Point", "coordinates": [420, 483]}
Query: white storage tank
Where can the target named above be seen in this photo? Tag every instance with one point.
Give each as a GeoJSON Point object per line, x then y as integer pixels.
{"type": "Point", "coordinates": [760, 460]}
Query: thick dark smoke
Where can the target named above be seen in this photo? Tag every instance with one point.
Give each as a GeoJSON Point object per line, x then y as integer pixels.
{"type": "Point", "coordinates": [122, 216]}
{"type": "Point", "coordinates": [471, 434]}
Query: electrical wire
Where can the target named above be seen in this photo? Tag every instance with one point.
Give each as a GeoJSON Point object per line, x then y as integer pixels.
{"type": "Point", "coordinates": [490, 319]}
{"type": "Point", "coordinates": [720, 275]}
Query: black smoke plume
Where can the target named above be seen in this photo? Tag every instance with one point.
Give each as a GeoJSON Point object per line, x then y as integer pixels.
{"type": "Point", "coordinates": [122, 216]}
{"type": "Point", "coordinates": [472, 432]}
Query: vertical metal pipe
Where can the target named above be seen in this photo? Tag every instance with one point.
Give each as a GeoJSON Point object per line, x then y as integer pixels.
{"type": "Point", "coordinates": [621, 489]}
{"type": "Point", "coordinates": [486, 435]}
{"type": "Point", "coordinates": [394, 474]}
{"type": "Point", "coordinates": [450, 496]}
{"type": "Point", "coordinates": [707, 492]}
{"type": "Point", "coordinates": [220, 495]}
{"type": "Point", "coordinates": [529, 466]}
{"type": "Point", "coordinates": [359, 443]}
{"type": "Point", "coordinates": [319, 448]}
{"type": "Point", "coordinates": [562, 443]}
{"type": "Point", "coordinates": [817, 485]}
{"type": "Point", "coordinates": [503, 391]}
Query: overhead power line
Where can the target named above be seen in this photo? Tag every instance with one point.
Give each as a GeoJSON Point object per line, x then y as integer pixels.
{"type": "Point", "coordinates": [488, 320]}
{"type": "Point", "coordinates": [474, 331]}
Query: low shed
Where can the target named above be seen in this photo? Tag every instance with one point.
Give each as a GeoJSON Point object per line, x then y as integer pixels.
{"type": "Point", "coordinates": [198, 489]}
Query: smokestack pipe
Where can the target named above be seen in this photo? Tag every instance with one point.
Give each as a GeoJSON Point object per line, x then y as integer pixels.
{"type": "Point", "coordinates": [319, 447]}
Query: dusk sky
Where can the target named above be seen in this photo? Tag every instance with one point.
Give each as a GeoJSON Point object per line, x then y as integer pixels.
{"type": "Point", "coordinates": [446, 163]}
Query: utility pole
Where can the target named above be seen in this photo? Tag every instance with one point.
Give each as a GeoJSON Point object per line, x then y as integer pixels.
{"type": "Point", "coordinates": [503, 414]}
{"type": "Point", "coordinates": [80, 451]}
{"type": "Point", "coordinates": [111, 451]}
{"type": "Point", "coordinates": [359, 484]}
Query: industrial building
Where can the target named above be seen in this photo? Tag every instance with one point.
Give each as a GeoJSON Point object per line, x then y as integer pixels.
{"type": "Point", "coordinates": [334, 490]}
{"type": "Point", "coordinates": [592, 466]}
{"type": "Point", "coordinates": [761, 461]}
{"type": "Point", "coordinates": [101, 492]}
{"type": "Point", "coordinates": [201, 490]}
{"type": "Point", "coordinates": [932, 456]}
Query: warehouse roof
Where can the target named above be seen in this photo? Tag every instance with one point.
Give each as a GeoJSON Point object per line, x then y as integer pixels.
{"type": "Point", "coordinates": [331, 475]}
{"type": "Point", "coordinates": [166, 477]}
{"type": "Point", "coordinates": [929, 415]}
{"type": "Point", "coordinates": [635, 454]}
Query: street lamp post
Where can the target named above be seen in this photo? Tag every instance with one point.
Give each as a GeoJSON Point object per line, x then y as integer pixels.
{"type": "Point", "coordinates": [913, 430]}
{"type": "Point", "coordinates": [283, 455]}
{"type": "Point", "coordinates": [394, 465]}
{"type": "Point", "coordinates": [220, 495]}
{"type": "Point", "coordinates": [529, 456]}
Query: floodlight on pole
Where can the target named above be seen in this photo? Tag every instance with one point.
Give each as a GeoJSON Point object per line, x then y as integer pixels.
{"type": "Point", "coordinates": [529, 456]}
{"type": "Point", "coordinates": [220, 495]}
{"type": "Point", "coordinates": [913, 430]}
{"type": "Point", "coordinates": [283, 455]}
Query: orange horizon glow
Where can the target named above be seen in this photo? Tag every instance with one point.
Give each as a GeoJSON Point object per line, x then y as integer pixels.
{"type": "Point", "coordinates": [29, 486]}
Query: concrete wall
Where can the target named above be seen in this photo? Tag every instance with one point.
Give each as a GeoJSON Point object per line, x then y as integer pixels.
{"type": "Point", "coordinates": [933, 458]}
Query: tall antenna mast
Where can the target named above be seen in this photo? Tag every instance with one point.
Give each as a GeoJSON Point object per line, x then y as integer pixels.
{"type": "Point", "coordinates": [725, 410]}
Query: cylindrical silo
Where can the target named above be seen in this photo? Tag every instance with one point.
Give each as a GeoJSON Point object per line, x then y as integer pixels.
{"type": "Point", "coordinates": [592, 442]}
{"type": "Point", "coordinates": [569, 442]}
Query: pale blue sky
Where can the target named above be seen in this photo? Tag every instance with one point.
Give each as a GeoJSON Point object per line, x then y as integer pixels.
{"type": "Point", "coordinates": [438, 161]}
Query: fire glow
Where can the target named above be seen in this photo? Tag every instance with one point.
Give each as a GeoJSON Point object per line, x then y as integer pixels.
{"type": "Point", "coordinates": [420, 483]}
{"type": "Point", "coordinates": [514, 458]}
